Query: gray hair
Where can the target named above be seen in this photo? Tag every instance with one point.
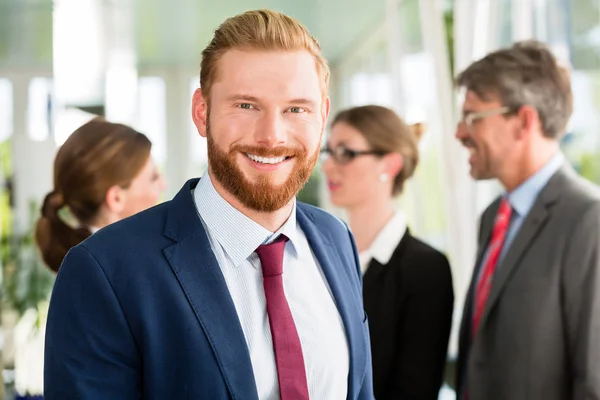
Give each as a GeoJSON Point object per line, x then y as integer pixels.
{"type": "Point", "coordinates": [525, 74]}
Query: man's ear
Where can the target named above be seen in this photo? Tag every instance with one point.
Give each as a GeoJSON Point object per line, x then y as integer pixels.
{"type": "Point", "coordinates": [325, 111]}
{"type": "Point", "coordinates": [529, 121]}
{"type": "Point", "coordinates": [200, 112]}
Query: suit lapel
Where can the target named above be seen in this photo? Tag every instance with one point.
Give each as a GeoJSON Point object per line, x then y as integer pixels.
{"type": "Point", "coordinates": [372, 277]}
{"type": "Point", "coordinates": [533, 223]}
{"type": "Point", "coordinates": [328, 258]}
{"type": "Point", "coordinates": [200, 277]}
{"type": "Point", "coordinates": [377, 271]}
{"type": "Point", "coordinates": [485, 234]}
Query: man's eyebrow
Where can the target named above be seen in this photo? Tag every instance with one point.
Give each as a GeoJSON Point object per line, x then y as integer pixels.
{"type": "Point", "coordinates": [253, 99]}
{"type": "Point", "coordinates": [303, 101]}
{"type": "Point", "coordinates": [243, 97]}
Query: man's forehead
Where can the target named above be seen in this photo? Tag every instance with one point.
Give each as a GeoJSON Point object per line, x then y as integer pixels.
{"type": "Point", "coordinates": [258, 93]}
{"type": "Point", "coordinates": [462, 94]}
{"type": "Point", "coordinates": [255, 60]}
{"type": "Point", "coordinates": [289, 68]}
{"type": "Point", "coordinates": [470, 99]}
{"type": "Point", "coordinates": [267, 87]}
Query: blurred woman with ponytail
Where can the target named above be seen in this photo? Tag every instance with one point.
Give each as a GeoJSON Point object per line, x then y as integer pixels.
{"type": "Point", "coordinates": [407, 284]}
{"type": "Point", "coordinates": [102, 173]}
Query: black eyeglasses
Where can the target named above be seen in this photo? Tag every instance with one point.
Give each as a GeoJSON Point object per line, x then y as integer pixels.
{"type": "Point", "coordinates": [343, 155]}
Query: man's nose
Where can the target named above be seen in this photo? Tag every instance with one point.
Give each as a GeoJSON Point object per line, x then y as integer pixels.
{"type": "Point", "coordinates": [271, 129]}
{"type": "Point", "coordinates": [461, 131]}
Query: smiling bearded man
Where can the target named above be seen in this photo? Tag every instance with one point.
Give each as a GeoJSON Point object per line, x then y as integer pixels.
{"type": "Point", "coordinates": [261, 195]}
{"type": "Point", "coordinates": [233, 289]}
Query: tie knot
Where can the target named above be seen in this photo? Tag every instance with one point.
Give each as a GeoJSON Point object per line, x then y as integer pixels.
{"type": "Point", "coordinates": [271, 256]}
{"type": "Point", "coordinates": [505, 209]}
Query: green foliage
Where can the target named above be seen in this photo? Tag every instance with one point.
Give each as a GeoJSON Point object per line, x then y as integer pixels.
{"type": "Point", "coordinates": [5, 170]}
{"type": "Point", "coordinates": [410, 26]}
{"type": "Point", "coordinates": [579, 146]}
{"type": "Point", "coordinates": [449, 28]}
{"type": "Point", "coordinates": [5, 158]}
{"type": "Point", "coordinates": [42, 37]}
{"type": "Point", "coordinates": [4, 36]}
{"type": "Point", "coordinates": [589, 166]}
{"type": "Point", "coordinates": [585, 15]}
{"type": "Point", "coordinates": [26, 281]}
{"type": "Point", "coordinates": [584, 20]}
{"type": "Point", "coordinates": [310, 193]}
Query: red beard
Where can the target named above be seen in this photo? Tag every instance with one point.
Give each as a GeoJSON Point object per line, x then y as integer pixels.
{"type": "Point", "coordinates": [260, 195]}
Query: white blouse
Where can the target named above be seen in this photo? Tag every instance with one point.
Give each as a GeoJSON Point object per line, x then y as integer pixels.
{"type": "Point", "coordinates": [385, 243]}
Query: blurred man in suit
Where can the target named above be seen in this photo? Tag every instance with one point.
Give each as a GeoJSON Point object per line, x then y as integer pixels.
{"type": "Point", "coordinates": [531, 321]}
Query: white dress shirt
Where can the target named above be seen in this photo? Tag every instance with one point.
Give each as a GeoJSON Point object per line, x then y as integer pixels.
{"type": "Point", "coordinates": [385, 242]}
{"type": "Point", "coordinates": [234, 238]}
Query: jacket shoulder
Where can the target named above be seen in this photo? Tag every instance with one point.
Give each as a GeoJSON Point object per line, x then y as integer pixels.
{"type": "Point", "coordinates": [143, 227]}
{"type": "Point", "coordinates": [323, 218]}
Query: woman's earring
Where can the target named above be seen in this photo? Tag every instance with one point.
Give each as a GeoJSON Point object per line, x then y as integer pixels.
{"type": "Point", "coordinates": [383, 178]}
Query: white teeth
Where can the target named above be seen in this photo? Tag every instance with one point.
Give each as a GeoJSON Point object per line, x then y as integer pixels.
{"type": "Point", "coordinates": [471, 150]}
{"type": "Point", "coordinates": [265, 160]}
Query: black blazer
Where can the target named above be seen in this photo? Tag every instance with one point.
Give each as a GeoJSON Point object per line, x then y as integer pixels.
{"type": "Point", "coordinates": [409, 304]}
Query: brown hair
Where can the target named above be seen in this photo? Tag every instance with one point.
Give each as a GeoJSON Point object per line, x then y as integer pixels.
{"type": "Point", "coordinates": [97, 156]}
{"type": "Point", "coordinates": [525, 74]}
{"type": "Point", "coordinates": [260, 30]}
{"type": "Point", "coordinates": [386, 132]}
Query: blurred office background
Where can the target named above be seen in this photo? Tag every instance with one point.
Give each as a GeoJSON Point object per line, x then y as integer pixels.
{"type": "Point", "coordinates": [136, 61]}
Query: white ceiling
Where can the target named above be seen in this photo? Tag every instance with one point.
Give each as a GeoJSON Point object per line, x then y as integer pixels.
{"type": "Point", "coordinates": [173, 32]}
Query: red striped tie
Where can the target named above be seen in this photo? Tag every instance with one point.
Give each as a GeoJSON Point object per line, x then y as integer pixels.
{"type": "Point", "coordinates": [495, 247]}
{"type": "Point", "coordinates": [286, 343]}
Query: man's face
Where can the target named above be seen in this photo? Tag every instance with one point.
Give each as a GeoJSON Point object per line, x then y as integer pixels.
{"type": "Point", "coordinates": [264, 124]}
{"type": "Point", "coordinates": [488, 136]}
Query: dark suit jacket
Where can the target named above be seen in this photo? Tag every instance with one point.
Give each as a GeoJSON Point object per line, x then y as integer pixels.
{"type": "Point", "coordinates": [409, 302]}
{"type": "Point", "coordinates": [539, 335]}
{"type": "Point", "coordinates": [141, 310]}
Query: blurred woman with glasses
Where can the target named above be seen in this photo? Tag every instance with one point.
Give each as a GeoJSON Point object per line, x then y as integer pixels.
{"type": "Point", "coordinates": [407, 285]}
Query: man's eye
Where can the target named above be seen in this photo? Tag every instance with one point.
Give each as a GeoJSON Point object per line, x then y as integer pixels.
{"type": "Point", "coordinates": [246, 106]}
{"type": "Point", "coordinates": [297, 110]}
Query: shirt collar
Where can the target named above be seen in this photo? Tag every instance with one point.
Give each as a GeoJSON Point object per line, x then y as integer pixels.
{"type": "Point", "coordinates": [522, 198]}
{"type": "Point", "coordinates": [239, 235]}
{"type": "Point", "coordinates": [389, 237]}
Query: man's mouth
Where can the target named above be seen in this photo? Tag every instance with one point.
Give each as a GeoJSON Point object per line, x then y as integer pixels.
{"type": "Point", "coordinates": [266, 160]}
{"type": "Point", "coordinates": [470, 146]}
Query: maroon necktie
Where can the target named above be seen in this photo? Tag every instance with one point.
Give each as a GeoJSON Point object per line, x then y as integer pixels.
{"type": "Point", "coordinates": [286, 343]}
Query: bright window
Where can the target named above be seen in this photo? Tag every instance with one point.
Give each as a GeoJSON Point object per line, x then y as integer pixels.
{"type": "Point", "coordinates": [151, 115]}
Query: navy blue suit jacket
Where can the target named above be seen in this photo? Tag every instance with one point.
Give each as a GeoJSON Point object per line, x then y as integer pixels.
{"type": "Point", "coordinates": [141, 310]}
